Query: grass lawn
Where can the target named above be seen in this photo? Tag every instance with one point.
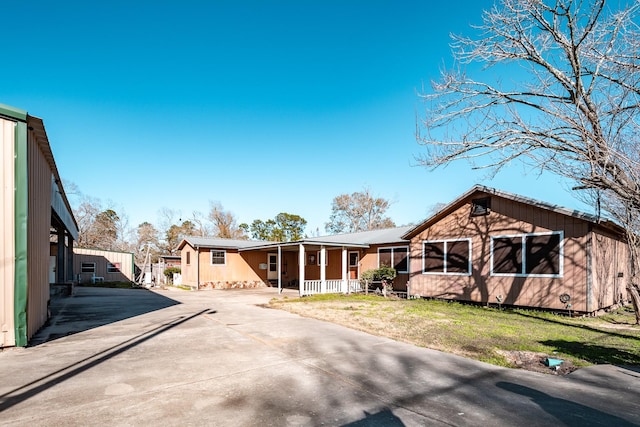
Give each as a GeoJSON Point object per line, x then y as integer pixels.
{"type": "Point", "coordinates": [514, 338]}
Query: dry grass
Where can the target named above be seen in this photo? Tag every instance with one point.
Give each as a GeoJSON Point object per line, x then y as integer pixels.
{"type": "Point", "coordinates": [514, 338]}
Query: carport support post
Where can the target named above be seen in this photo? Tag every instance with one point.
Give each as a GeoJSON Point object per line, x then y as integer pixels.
{"type": "Point", "coordinates": [301, 268]}
{"type": "Point", "coordinates": [60, 257]}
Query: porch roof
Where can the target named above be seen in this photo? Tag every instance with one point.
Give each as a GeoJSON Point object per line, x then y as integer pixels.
{"type": "Point", "coordinates": [362, 239]}
{"type": "Point", "coordinates": [211, 242]}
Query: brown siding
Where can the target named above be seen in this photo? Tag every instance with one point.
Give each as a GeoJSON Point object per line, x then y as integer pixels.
{"type": "Point", "coordinates": [38, 226]}
{"type": "Point", "coordinates": [188, 271]}
{"type": "Point", "coordinates": [7, 249]}
{"type": "Point", "coordinates": [610, 269]}
{"type": "Point", "coordinates": [507, 217]}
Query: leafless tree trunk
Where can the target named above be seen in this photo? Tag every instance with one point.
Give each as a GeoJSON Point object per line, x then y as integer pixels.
{"type": "Point", "coordinates": [566, 99]}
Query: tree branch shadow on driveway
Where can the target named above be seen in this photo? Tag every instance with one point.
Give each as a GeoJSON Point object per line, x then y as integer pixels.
{"type": "Point", "coordinates": [565, 411]}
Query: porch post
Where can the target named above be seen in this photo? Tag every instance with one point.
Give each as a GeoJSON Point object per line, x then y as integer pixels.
{"type": "Point", "coordinates": [301, 267]}
{"type": "Point", "coordinates": [323, 270]}
{"type": "Point", "coordinates": [279, 269]}
{"type": "Point", "coordinates": [345, 277]}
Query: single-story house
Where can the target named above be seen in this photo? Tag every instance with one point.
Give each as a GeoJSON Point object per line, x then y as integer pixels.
{"type": "Point", "coordinates": [487, 246]}
{"type": "Point", "coordinates": [314, 265]}
{"type": "Point", "coordinates": [37, 224]}
{"type": "Point", "coordinates": [98, 265]}
{"type": "Point", "coordinates": [490, 246]}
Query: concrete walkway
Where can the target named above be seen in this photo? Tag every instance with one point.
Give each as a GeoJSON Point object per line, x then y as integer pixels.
{"type": "Point", "coordinates": [215, 358]}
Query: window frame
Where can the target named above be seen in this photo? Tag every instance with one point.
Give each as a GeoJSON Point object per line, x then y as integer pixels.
{"type": "Point", "coordinates": [113, 267]}
{"type": "Point", "coordinates": [188, 258]}
{"type": "Point", "coordinates": [393, 248]}
{"type": "Point", "coordinates": [224, 257]}
{"type": "Point", "coordinates": [523, 249]}
{"type": "Point", "coordinates": [445, 272]}
{"type": "Point", "coordinates": [326, 258]}
{"type": "Point", "coordinates": [84, 267]}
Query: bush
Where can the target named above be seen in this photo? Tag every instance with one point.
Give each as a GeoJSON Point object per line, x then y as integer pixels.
{"type": "Point", "coordinates": [384, 274]}
{"type": "Point", "coordinates": [169, 272]}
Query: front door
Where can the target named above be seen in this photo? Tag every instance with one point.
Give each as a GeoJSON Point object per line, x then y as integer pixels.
{"type": "Point", "coordinates": [272, 269]}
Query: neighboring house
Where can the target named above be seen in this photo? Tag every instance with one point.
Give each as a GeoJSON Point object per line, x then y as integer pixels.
{"type": "Point", "coordinates": [489, 246]}
{"type": "Point", "coordinates": [97, 265]}
{"type": "Point", "coordinates": [38, 227]}
{"type": "Point", "coordinates": [314, 265]}
{"type": "Point", "coordinates": [164, 262]}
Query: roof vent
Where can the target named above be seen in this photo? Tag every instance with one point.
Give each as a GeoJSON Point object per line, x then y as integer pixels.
{"type": "Point", "coordinates": [481, 207]}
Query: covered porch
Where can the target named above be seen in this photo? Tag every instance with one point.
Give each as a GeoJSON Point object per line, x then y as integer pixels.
{"type": "Point", "coordinates": [314, 267]}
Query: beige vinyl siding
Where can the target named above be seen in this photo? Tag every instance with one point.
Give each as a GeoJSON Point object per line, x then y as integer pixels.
{"type": "Point", "coordinates": [38, 226]}
{"type": "Point", "coordinates": [101, 258]}
{"type": "Point", "coordinates": [7, 222]}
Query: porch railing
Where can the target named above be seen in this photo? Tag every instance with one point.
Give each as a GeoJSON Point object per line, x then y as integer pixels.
{"type": "Point", "coordinates": [312, 287]}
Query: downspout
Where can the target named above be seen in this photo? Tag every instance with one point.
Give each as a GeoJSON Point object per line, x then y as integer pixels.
{"type": "Point", "coordinates": [21, 212]}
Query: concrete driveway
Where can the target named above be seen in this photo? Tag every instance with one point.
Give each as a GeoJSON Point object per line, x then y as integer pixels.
{"type": "Point", "coordinates": [216, 358]}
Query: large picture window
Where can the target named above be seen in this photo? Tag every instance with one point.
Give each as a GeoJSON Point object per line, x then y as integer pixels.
{"type": "Point", "coordinates": [396, 257]}
{"type": "Point", "coordinates": [536, 254]}
{"type": "Point", "coordinates": [447, 257]}
{"type": "Point", "coordinates": [218, 257]}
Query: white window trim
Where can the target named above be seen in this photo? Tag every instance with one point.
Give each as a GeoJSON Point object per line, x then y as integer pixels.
{"type": "Point", "coordinates": [112, 268]}
{"type": "Point", "coordinates": [326, 258]}
{"type": "Point", "coordinates": [349, 259]}
{"type": "Point", "coordinates": [524, 254]}
{"type": "Point", "coordinates": [392, 252]}
{"type": "Point", "coordinates": [446, 241]}
{"type": "Point", "coordinates": [224, 252]}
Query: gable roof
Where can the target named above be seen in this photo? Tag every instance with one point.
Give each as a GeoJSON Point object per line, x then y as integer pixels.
{"type": "Point", "coordinates": [481, 190]}
{"type": "Point", "coordinates": [215, 242]}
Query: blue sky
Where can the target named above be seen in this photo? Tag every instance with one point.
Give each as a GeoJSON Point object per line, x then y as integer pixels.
{"type": "Point", "coordinates": [262, 106]}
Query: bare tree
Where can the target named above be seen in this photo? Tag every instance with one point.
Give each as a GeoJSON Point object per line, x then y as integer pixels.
{"type": "Point", "coordinates": [224, 223]}
{"type": "Point", "coordinates": [201, 226]}
{"type": "Point", "coordinates": [569, 106]}
{"type": "Point", "coordinates": [358, 211]}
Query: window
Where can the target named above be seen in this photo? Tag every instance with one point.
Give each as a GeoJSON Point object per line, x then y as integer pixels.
{"type": "Point", "coordinates": [394, 257]}
{"type": "Point", "coordinates": [113, 268]}
{"type": "Point", "coordinates": [188, 258]}
{"type": "Point", "coordinates": [353, 259]}
{"type": "Point", "coordinates": [326, 258]}
{"type": "Point", "coordinates": [218, 257]}
{"type": "Point", "coordinates": [538, 254]}
{"type": "Point", "coordinates": [447, 257]}
{"type": "Point", "coordinates": [88, 267]}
